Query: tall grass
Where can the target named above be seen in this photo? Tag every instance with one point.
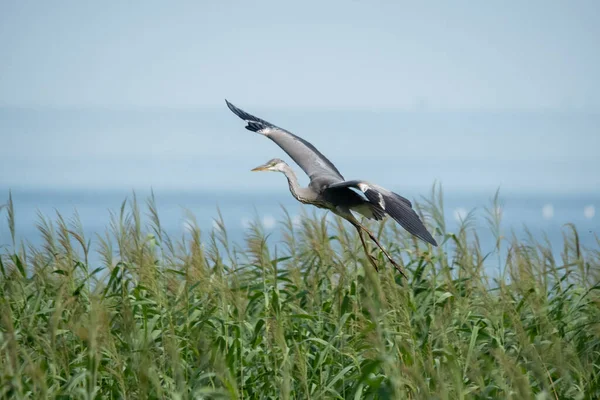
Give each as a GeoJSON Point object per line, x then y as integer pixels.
{"type": "Point", "coordinates": [201, 317]}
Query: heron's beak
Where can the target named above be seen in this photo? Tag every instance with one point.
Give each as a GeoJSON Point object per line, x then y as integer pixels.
{"type": "Point", "coordinates": [259, 168]}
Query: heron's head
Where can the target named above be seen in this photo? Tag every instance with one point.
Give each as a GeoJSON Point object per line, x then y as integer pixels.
{"type": "Point", "coordinates": [272, 165]}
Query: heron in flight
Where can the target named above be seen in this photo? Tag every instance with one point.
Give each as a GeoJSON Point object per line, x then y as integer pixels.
{"type": "Point", "coordinates": [329, 190]}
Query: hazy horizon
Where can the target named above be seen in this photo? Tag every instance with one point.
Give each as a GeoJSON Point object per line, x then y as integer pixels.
{"type": "Point", "coordinates": [209, 149]}
{"type": "Point", "coordinates": [474, 95]}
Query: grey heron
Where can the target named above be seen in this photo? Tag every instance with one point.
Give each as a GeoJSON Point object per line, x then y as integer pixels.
{"type": "Point", "coordinates": [329, 190]}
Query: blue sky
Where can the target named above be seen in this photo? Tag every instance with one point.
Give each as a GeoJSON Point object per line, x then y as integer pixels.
{"type": "Point", "coordinates": [130, 94]}
{"type": "Point", "coordinates": [338, 54]}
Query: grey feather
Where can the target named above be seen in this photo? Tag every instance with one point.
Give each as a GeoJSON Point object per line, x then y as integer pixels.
{"type": "Point", "coordinates": [396, 206]}
{"type": "Point", "coordinates": [328, 190]}
{"type": "Point", "coordinates": [312, 162]}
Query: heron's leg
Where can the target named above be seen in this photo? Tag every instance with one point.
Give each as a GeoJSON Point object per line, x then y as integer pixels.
{"type": "Point", "coordinates": [373, 238]}
{"type": "Point", "coordinates": [369, 256]}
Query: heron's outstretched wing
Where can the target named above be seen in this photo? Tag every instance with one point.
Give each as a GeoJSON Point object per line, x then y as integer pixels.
{"type": "Point", "coordinates": [315, 164]}
{"type": "Point", "coordinates": [396, 206]}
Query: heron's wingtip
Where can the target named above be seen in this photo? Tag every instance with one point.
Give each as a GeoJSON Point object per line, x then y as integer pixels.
{"type": "Point", "coordinates": [235, 110]}
{"type": "Point", "coordinates": [254, 124]}
{"type": "Point", "coordinates": [426, 237]}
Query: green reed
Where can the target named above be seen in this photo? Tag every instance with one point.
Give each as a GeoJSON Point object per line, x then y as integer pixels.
{"type": "Point", "coordinates": [202, 317]}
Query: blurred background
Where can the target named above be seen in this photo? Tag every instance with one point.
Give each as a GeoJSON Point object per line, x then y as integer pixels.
{"type": "Point", "coordinates": [98, 100]}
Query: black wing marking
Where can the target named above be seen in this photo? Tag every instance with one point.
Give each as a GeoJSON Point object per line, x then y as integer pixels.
{"type": "Point", "coordinates": [354, 199]}
{"type": "Point", "coordinates": [255, 124]}
{"type": "Point", "coordinates": [315, 164]}
{"type": "Point", "coordinates": [396, 206]}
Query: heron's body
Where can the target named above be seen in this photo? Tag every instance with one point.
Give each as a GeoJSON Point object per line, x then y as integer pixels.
{"type": "Point", "coordinates": [329, 190]}
{"type": "Point", "coordinates": [334, 200]}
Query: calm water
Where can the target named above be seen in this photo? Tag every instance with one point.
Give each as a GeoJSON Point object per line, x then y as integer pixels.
{"type": "Point", "coordinates": [542, 214]}
{"type": "Point", "coordinates": [174, 150]}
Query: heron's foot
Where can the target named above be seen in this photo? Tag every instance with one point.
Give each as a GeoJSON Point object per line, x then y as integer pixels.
{"type": "Point", "coordinates": [395, 264]}
{"type": "Point", "coordinates": [372, 261]}
{"type": "Point", "coordinates": [387, 255]}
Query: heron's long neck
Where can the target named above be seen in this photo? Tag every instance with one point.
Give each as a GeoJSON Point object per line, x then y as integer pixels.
{"type": "Point", "coordinates": [293, 183]}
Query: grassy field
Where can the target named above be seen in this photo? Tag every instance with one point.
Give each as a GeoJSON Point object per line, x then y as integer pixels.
{"type": "Point", "coordinates": [201, 317]}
